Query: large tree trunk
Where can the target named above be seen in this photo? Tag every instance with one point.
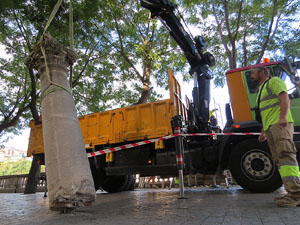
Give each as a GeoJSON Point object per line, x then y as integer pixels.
{"type": "Point", "coordinates": [146, 78]}
{"type": "Point", "coordinates": [33, 176]}
{"type": "Point", "coordinates": [145, 94]}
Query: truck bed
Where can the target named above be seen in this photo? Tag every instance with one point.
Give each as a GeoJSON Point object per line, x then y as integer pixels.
{"type": "Point", "coordinates": [133, 123]}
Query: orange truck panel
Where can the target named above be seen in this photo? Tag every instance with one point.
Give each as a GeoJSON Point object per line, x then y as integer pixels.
{"type": "Point", "coordinates": [137, 122]}
{"type": "Point", "coordinates": [133, 123]}
{"type": "Point", "coordinates": [238, 97]}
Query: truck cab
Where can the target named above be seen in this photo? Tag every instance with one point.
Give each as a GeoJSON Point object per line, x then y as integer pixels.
{"type": "Point", "coordinates": [249, 161]}
{"type": "Point", "coordinates": [243, 91]}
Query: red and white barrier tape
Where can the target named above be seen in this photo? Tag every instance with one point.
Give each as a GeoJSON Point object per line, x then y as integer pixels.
{"type": "Point", "coordinates": [122, 147]}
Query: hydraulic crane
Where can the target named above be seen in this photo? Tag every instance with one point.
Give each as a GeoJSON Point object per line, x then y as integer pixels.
{"type": "Point", "coordinates": [200, 61]}
{"type": "Point", "coordinates": [117, 141]}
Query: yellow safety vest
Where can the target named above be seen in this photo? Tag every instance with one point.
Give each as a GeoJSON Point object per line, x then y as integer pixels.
{"type": "Point", "coordinates": [269, 102]}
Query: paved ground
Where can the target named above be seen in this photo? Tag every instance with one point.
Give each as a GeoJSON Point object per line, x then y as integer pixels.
{"type": "Point", "coordinates": [205, 206]}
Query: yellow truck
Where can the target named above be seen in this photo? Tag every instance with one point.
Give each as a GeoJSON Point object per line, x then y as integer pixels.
{"type": "Point", "coordinates": [249, 161]}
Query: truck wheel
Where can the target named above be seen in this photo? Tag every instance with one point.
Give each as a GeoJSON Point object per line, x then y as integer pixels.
{"type": "Point", "coordinates": [130, 183]}
{"type": "Point", "coordinates": [96, 175]}
{"type": "Point", "coordinates": [113, 184]}
{"type": "Point", "coordinates": [110, 184]}
{"type": "Point", "coordinates": [252, 167]}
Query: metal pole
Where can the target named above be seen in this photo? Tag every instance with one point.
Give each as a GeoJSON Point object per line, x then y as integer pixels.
{"type": "Point", "coordinates": [195, 79]}
{"type": "Point", "coordinates": [177, 124]}
{"type": "Point", "coordinates": [181, 184]}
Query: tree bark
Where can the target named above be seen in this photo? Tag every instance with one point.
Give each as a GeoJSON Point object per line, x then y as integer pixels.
{"type": "Point", "coordinates": [33, 176]}
{"type": "Point", "coordinates": [146, 75]}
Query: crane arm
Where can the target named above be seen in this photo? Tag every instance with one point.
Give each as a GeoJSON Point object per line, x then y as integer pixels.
{"type": "Point", "coordinates": [164, 10]}
{"type": "Point", "coordinates": [199, 61]}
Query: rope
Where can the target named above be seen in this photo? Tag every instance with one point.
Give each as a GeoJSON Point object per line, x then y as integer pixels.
{"type": "Point", "coordinates": [53, 13]}
{"type": "Point", "coordinates": [56, 87]}
{"type": "Point", "coordinates": [71, 31]}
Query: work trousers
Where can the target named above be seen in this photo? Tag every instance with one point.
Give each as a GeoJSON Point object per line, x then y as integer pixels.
{"type": "Point", "coordinates": [283, 151]}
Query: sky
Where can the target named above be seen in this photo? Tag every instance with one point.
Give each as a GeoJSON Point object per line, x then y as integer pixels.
{"type": "Point", "coordinates": [219, 97]}
{"type": "Point", "coordinates": [19, 141]}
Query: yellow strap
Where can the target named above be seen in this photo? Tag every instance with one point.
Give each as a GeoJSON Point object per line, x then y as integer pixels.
{"type": "Point", "coordinates": [71, 38]}
{"type": "Point", "coordinates": [71, 26]}
{"type": "Point", "coordinates": [53, 13]}
{"type": "Point", "coordinates": [53, 89]}
{"type": "Point", "coordinates": [45, 92]}
{"type": "Point", "coordinates": [57, 86]}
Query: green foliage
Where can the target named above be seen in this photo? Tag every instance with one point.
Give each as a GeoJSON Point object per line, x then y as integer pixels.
{"type": "Point", "coordinates": [241, 33]}
{"type": "Point", "coordinates": [15, 167]}
{"type": "Point", "coordinates": [116, 42]}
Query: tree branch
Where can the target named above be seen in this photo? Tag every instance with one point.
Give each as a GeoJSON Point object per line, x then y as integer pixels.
{"type": "Point", "coordinates": [121, 50]}
{"type": "Point", "coordinates": [227, 21]}
{"type": "Point", "coordinates": [21, 28]}
{"type": "Point", "coordinates": [219, 27]}
{"type": "Point", "coordinates": [238, 20]}
{"type": "Point", "coordinates": [267, 40]}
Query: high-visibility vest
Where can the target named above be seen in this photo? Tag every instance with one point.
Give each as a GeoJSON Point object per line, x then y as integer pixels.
{"type": "Point", "coordinates": [270, 104]}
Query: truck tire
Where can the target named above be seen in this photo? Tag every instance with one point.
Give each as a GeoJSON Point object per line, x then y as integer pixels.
{"type": "Point", "coordinates": [95, 174]}
{"type": "Point", "coordinates": [252, 167]}
{"type": "Point", "coordinates": [130, 183]}
{"type": "Point", "coordinates": [113, 184]}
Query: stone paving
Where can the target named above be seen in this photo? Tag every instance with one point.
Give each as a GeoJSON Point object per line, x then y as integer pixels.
{"type": "Point", "coordinates": [205, 206]}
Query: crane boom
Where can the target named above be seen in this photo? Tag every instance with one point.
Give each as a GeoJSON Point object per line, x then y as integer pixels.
{"type": "Point", "coordinates": [193, 49]}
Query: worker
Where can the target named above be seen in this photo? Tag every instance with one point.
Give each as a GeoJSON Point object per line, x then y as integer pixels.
{"type": "Point", "coordinates": [278, 129]}
{"type": "Point", "coordinates": [213, 120]}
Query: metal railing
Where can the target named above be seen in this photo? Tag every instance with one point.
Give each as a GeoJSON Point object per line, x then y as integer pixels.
{"type": "Point", "coordinates": [17, 183]}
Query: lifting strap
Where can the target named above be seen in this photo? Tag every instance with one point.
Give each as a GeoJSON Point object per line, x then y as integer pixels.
{"type": "Point", "coordinates": [56, 87]}
{"type": "Point", "coordinates": [71, 33]}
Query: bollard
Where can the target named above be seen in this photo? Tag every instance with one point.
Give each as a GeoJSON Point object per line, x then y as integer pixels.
{"type": "Point", "coordinates": [69, 179]}
{"type": "Point", "coordinates": [177, 124]}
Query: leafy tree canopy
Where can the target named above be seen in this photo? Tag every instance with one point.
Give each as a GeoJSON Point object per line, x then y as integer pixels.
{"type": "Point", "coordinates": [21, 166]}
{"type": "Point", "coordinates": [241, 33]}
{"type": "Point", "coordinates": [123, 53]}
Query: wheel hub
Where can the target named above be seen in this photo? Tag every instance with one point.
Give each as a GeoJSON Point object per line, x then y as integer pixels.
{"type": "Point", "coordinates": [257, 164]}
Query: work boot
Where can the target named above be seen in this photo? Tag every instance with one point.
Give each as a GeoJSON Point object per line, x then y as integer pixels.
{"type": "Point", "coordinates": [281, 194]}
{"type": "Point", "coordinates": [288, 201]}
{"type": "Point", "coordinates": [279, 197]}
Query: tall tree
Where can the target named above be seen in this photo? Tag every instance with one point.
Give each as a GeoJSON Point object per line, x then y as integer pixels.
{"type": "Point", "coordinates": [140, 48]}
{"type": "Point", "coordinates": [119, 49]}
{"type": "Point", "coordinates": [241, 32]}
{"type": "Point", "coordinates": [17, 93]}
{"type": "Point", "coordinates": [22, 23]}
